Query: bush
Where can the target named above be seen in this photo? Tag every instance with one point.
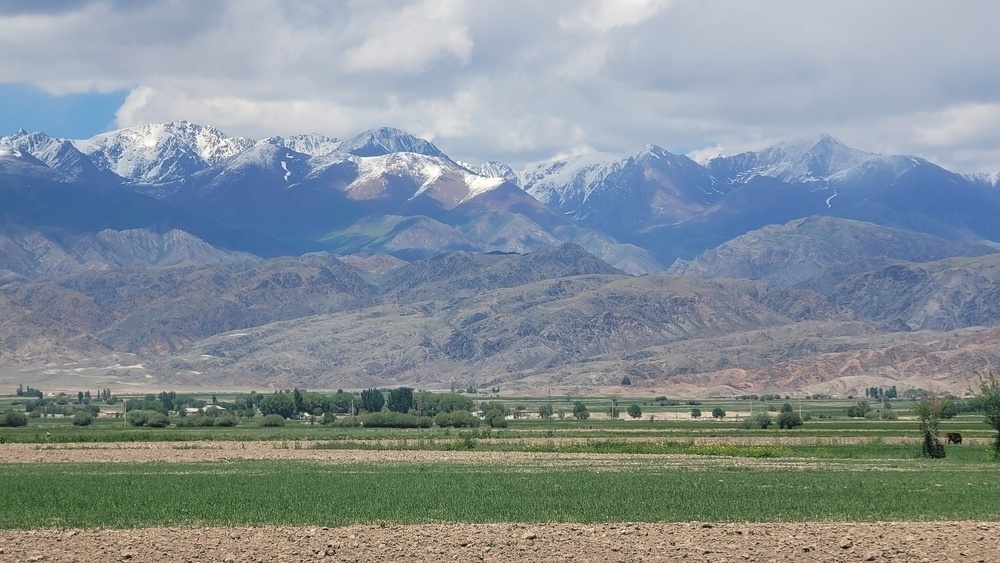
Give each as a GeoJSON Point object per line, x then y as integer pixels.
{"type": "Point", "coordinates": [82, 419]}
{"type": "Point", "coordinates": [634, 410]}
{"type": "Point", "coordinates": [456, 419]}
{"type": "Point", "coordinates": [226, 421]}
{"type": "Point", "coordinates": [158, 420]}
{"type": "Point", "coordinates": [495, 418]}
{"type": "Point", "coordinates": [272, 421]}
{"type": "Point", "coordinates": [718, 412]}
{"type": "Point", "coordinates": [580, 411]}
{"type": "Point", "coordinates": [12, 418]}
{"type": "Point", "coordinates": [789, 420]}
{"type": "Point", "coordinates": [138, 417]}
{"type": "Point", "coordinates": [695, 413]}
{"type": "Point", "coordinates": [389, 419]}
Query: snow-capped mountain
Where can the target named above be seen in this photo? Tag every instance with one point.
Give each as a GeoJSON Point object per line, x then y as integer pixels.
{"type": "Point", "coordinates": [624, 195]}
{"type": "Point", "coordinates": [161, 152]}
{"type": "Point", "coordinates": [58, 154]}
{"type": "Point", "coordinates": [802, 160]}
{"type": "Point", "coordinates": [493, 169]}
{"type": "Point", "coordinates": [387, 140]}
{"type": "Point", "coordinates": [314, 192]}
{"type": "Point", "coordinates": [311, 144]}
{"type": "Point", "coordinates": [986, 179]}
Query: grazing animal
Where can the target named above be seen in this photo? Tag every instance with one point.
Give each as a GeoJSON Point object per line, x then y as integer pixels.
{"type": "Point", "coordinates": [954, 438]}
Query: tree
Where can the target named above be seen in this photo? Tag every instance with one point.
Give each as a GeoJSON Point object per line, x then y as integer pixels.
{"type": "Point", "coordinates": [13, 418]}
{"type": "Point", "coordinates": [787, 407]}
{"type": "Point", "coordinates": [695, 413]}
{"type": "Point", "coordinates": [545, 411]}
{"type": "Point", "coordinates": [580, 411]}
{"type": "Point", "coordinates": [634, 410]}
{"type": "Point", "coordinates": [930, 411]}
{"type": "Point", "coordinates": [989, 401]}
{"type": "Point", "coordinates": [495, 418]}
{"type": "Point", "coordinates": [718, 412]}
{"type": "Point", "coordinates": [401, 399]}
{"type": "Point", "coordinates": [272, 420]}
{"type": "Point", "coordinates": [281, 404]}
{"type": "Point", "coordinates": [859, 410]}
{"type": "Point", "coordinates": [626, 380]}
{"type": "Point", "coordinates": [788, 420]}
{"type": "Point", "coordinates": [372, 400]}
{"type": "Point", "coordinates": [83, 419]}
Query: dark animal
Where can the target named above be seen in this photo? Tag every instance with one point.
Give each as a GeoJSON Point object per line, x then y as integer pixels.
{"type": "Point", "coordinates": [954, 438]}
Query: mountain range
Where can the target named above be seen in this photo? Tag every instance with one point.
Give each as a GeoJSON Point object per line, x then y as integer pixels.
{"type": "Point", "coordinates": [211, 260]}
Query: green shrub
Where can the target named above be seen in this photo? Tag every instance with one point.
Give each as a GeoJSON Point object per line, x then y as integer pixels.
{"type": "Point", "coordinates": [13, 418]}
{"type": "Point", "coordinates": [789, 420]}
{"type": "Point", "coordinates": [272, 421]}
{"type": "Point", "coordinates": [226, 421]}
{"type": "Point", "coordinates": [456, 419]}
{"type": "Point", "coordinates": [495, 418]}
{"type": "Point", "coordinates": [138, 417]}
{"type": "Point", "coordinates": [82, 419]}
{"type": "Point", "coordinates": [158, 420]}
{"type": "Point", "coordinates": [389, 419]}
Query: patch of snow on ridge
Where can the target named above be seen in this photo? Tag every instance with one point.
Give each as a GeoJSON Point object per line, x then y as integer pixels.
{"type": "Point", "coordinates": [480, 185]}
{"type": "Point", "coordinates": [288, 173]}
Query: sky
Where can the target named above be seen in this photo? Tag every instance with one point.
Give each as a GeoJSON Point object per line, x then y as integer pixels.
{"type": "Point", "coordinates": [519, 81]}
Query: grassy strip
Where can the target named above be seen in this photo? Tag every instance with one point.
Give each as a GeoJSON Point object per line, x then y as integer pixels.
{"type": "Point", "coordinates": [874, 450]}
{"type": "Point", "coordinates": [301, 493]}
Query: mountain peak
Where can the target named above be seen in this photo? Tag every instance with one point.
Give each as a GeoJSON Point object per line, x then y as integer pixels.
{"type": "Point", "coordinates": [387, 140]}
{"type": "Point", "coordinates": [160, 152]}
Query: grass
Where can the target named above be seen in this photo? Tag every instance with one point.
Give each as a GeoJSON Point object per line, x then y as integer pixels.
{"type": "Point", "coordinates": [301, 493]}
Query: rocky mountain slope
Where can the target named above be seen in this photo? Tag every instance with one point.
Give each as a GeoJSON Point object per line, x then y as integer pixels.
{"type": "Point", "coordinates": [555, 318]}
{"type": "Point", "coordinates": [173, 254]}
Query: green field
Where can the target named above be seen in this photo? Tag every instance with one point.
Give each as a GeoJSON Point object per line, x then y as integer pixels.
{"type": "Point", "coordinates": [668, 468]}
{"type": "Point", "coordinates": [299, 493]}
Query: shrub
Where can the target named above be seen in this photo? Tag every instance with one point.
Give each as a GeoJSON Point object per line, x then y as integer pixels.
{"type": "Point", "coordinates": [789, 420]}
{"type": "Point", "coordinates": [158, 420]}
{"type": "Point", "coordinates": [495, 418]}
{"type": "Point", "coordinates": [456, 419]}
{"type": "Point", "coordinates": [580, 411]}
{"type": "Point", "coordinates": [718, 412]}
{"type": "Point", "coordinates": [226, 421]}
{"type": "Point", "coordinates": [82, 419]}
{"type": "Point", "coordinates": [272, 421]}
{"type": "Point", "coordinates": [138, 417]}
{"type": "Point", "coordinates": [695, 413]}
{"type": "Point", "coordinates": [389, 419]}
{"type": "Point", "coordinates": [13, 418]}
{"type": "Point", "coordinates": [634, 410]}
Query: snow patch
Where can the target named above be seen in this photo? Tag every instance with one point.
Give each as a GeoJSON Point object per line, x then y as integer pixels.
{"type": "Point", "coordinates": [480, 185]}
{"type": "Point", "coordinates": [288, 173]}
{"type": "Point", "coordinates": [828, 206]}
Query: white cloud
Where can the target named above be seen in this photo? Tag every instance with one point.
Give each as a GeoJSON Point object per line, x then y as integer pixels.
{"type": "Point", "coordinates": [604, 15]}
{"type": "Point", "coordinates": [409, 40]}
{"type": "Point", "coordinates": [519, 80]}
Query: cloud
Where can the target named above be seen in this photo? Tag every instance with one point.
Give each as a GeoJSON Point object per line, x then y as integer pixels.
{"type": "Point", "coordinates": [520, 80]}
{"type": "Point", "coordinates": [408, 40]}
{"type": "Point", "coordinates": [604, 15]}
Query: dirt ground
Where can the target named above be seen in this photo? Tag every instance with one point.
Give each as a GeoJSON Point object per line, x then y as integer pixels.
{"type": "Point", "coordinates": [881, 542]}
{"type": "Point", "coordinates": [625, 542]}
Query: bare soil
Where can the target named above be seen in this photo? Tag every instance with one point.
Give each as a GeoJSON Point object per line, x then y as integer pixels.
{"type": "Point", "coordinates": [693, 541]}
{"type": "Point", "coordinates": [610, 542]}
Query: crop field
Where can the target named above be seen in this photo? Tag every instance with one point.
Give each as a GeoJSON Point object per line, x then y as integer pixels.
{"type": "Point", "coordinates": [554, 485]}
